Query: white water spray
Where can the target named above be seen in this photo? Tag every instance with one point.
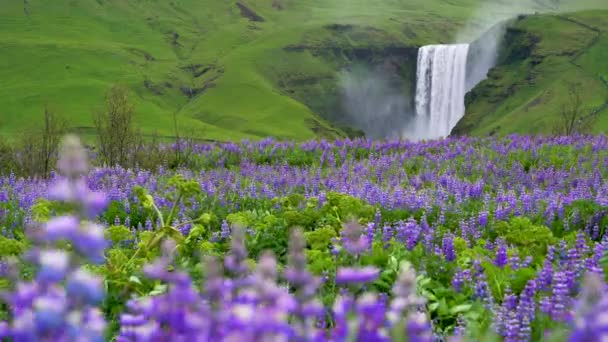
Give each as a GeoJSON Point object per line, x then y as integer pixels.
{"type": "Point", "coordinates": [440, 90]}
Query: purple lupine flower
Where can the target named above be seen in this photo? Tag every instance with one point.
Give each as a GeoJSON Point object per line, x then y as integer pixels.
{"type": "Point", "coordinates": [45, 309]}
{"type": "Point", "coordinates": [559, 300]}
{"type": "Point", "coordinates": [341, 309]}
{"type": "Point", "coordinates": [448, 247]}
{"type": "Point", "coordinates": [406, 300]}
{"type": "Point", "coordinates": [377, 218]}
{"type": "Point", "coordinates": [54, 265]}
{"type": "Point", "coordinates": [501, 254]}
{"type": "Point", "coordinates": [90, 241]}
{"type": "Point", "coordinates": [371, 228]}
{"type": "Point", "coordinates": [305, 285]}
{"type": "Point", "coordinates": [347, 275]}
{"type": "Point", "coordinates": [458, 280]}
{"type": "Point", "coordinates": [85, 287]}
{"type": "Point", "coordinates": [72, 162]}
{"type": "Point", "coordinates": [354, 239]}
{"type": "Point", "coordinates": [61, 228]}
{"type": "Point", "coordinates": [514, 261]}
{"type": "Point", "coordinates": [525, 330]}
{"type": "Point", "coordinates": [235, 260]}
{"type": "Point", "coordinates": [225, 230]}
{"type": "Point", "coordinates": [418, 328]}
{"type": "Point", "coordinates": [371, 317]}
{"type": "Point", "coordinates": [482, 291]}
{"type": "Point", "coordinates": [595, 234]}
{"type": "Point", "coordinates": [581, 244]}
{"type": "Point", "coordinates": [412, 231]}
{"type": "Point", "coordinates": [512, 327]}
{"type": "Point", "coordinates": [545, 277]}
{"type": "Point", "coordinates": [551, 250]}
{"type": "Point", "coordinates": [527, 304]}
{"type": "Point", "coordinates": [590, 319]}
{"type": "Point", "coordinates": [527, 261]}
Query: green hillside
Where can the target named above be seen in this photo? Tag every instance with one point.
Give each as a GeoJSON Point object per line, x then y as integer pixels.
{"type": "Point", "coordinates": [239, 69]}
{"type": "Point", "coordinates": [542, 55]}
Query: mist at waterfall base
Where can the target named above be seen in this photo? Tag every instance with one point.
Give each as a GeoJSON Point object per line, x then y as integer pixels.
{"type": "Point", "coordinates": [375, 102]}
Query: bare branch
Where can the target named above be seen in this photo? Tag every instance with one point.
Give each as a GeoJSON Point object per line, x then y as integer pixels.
{"type": "Point", "coordinates": [574, 118]}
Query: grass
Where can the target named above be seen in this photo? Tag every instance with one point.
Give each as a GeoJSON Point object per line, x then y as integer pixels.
{"type": "Point", "coordinates": [527, 94]}
{"type": "Point", "coordinates": [66, 54]}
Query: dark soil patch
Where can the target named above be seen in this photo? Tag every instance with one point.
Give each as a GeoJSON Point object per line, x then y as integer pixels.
{"type": "Point", "coordinates": [139, 52]}
{"type": "Point", "coordinates": [341, 28]}
{"type": "Point", "coordinates": [321, 130]}
{"type": "Point", "coordinates": [174, 38]}
{"type": "Point", "coordinates": [300, 80]}
{"type": "Point", "coordinates": [365, 54]}
{"type": "Point", "coordinates": [534, 102]}
{"type": "Point", "coordinates": [278, 5]}
{"type": "Point", "coordinates": [197, 70]}
{"type": "Point", "coordinates": [295, 48]}
{"type": "Point", "coordinates": [248, 13]}
{"type": "Point", "coordinates": [192, 92]}
{"type": "Point", "coordinates": [26, 8]}
{"type": "Point", "coordinates": [409, 32]}
{"type": "Point", "coordinates": [154, 88]}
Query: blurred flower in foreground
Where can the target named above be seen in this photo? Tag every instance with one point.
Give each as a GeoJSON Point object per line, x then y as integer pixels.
{"type": "Point", "coordinates": [46, 310]}
{"type": "Point", "coordinates": [591, 320]}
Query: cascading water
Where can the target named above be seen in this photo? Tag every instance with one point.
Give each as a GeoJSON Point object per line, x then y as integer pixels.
{"type": "Point", "coordinates": [440, 90]}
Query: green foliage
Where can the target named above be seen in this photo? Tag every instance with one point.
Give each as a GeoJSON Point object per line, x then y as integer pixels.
{"type": "Point", "coordinates": [320, 238]}
{"type": "Point", "coordinates": [587, 212]}
{"type": "Point", "coordinates": [185, 187]}
{"type": "Point", "coordinates": [604, 264]}
{"type": "Point", "coordinates": [189, 245]}
{"type": "Point", "coordinates": [499, 279]}
{"type": "Point", "coordinates": [41, 210]}
{"type": "Point", "coordinates": [115, 209]}
{"type": "Point", "coordinates": [390, 265]}
{"type": "Point", "coordinates": [118, 234]}
{"type": "Point", "coordinates": [271, 236]}
{"type": "Point", "coordinates": [243, 218]}
{"type": "Point", "coordinates": [44, 209]}
{"type": "Point", "coordinates": [11, 247]}
{"type": "Point", "coordinates": [320, 261]}
{"type": "Point", "coordinates": [378, 257]}
{"type": "Point", "coordinates": [143, 196]}
{"type": "Point", "coordinates": [344, 208]}
{"type": "Point", "coordinates": [530, 239]}
{"type": "Point", "coordinates": [306, 218]}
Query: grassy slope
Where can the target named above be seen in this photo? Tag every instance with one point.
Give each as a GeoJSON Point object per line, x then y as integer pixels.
{"type": "Point", "coordinates": [526, 95]}
{"type": "Point", "coordinates": [67, 53]}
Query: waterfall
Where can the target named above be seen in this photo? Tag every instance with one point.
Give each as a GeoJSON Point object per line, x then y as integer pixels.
{"type": "Point", "coordinates": [440, 90]}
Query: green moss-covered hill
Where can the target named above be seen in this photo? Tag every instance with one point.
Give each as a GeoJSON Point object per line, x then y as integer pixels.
{"type": "Point", "coordinates": [541, 57]}
{"type": "Point", "coordinates": [252, 68]}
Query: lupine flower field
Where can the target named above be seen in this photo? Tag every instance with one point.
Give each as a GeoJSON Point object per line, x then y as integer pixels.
{"type": "Point", "coordinates": [469, 239]}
